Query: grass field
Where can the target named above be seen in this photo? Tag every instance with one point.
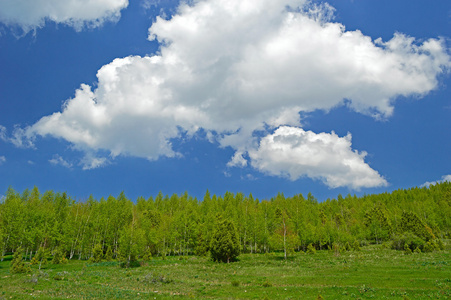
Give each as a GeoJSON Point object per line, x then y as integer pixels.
{"type": "Point", "coordinates": [371, 273]}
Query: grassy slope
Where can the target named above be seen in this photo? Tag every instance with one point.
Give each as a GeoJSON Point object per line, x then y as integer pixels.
{"type": "Point", "coordinates": [371, 273]}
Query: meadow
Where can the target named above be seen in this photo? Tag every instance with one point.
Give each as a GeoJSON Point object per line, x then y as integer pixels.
{"type": "Point", "coordinates": [374, 272]}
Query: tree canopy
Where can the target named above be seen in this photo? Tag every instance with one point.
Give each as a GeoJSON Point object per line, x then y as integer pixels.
{"type": "Point", "coordinates": [53, 222]}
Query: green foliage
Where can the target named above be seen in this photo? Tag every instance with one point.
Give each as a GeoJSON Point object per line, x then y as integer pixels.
{"type": "Point", "coordinates": [182, 225]}
{"type": "Point", "coordinates": [311, 249]}
{"type": "Point", "coordinates": [109, 254]}
{"type": "Point", "coordinates": [408, 239]}
{"type": "Point", "coordinates": [412, 223]}
{"type": "Point", "coordinates": [203, 245]}
{"type": "Point", "coordinates": [407, 249]}
{"type": "Point", "coordinates": [431, 246]}
{"type": "Point", "coordinates": [378, 225]}
{"type": "Point", "coordinates": [148, 254]}
{"type": "Point", "coordinates": [440, 244]}
{"type": "Point", "coordinates": [97, 254]}
{"type": "Point", "coordinates": [59, 256]}
{"type": "Point", "coordinates": [40, 257]}
{"type": "Point", "coordinates": [225, 246]}
{"type": "Point", "coordinates": [17, 263]}
{"type": "Point", "coordinates": [356, 245]}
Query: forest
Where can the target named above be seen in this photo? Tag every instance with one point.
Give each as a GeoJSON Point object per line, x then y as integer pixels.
{"type": "Point", "coordinates": [52, 224]}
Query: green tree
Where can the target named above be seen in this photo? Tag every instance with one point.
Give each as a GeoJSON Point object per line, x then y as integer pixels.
{"type": "Point", "coordinates": [97, 254]}
{"type": "Point", "coordinates": [40, 257]}
{"type": "Point", "coordinates": [412, 223]}
{"type": "Point", "coordinates": [17, 264]}
{"type": "Point", "coordinates": [284, 237]}
{"type": "Point", "coordinates": [225, 245]}
{"type": "Point", "coordinates": [378, 225]}
{"type": "Point", "coordinates": [58, 256]}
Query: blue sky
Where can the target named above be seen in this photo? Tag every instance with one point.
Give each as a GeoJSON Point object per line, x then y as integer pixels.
{"type": "Point", "coordinates": [256, 97]}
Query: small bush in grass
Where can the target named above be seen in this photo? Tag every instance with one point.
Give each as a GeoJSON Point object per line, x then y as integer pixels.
{"type": "Point", "coordinates": [348, 247]}
{"type": "Point", "coordinates": [407, 249]}
{"type": "Point", "coordinates": [417, 250]}
{"type": "Point", "coordinates": [267, 284]}
{"type": "Point", "coordinates": [17, 264]}
{"type": "Point", "coordinates": [40, 257]}
{"type": "Point", "coordinates": [431, 246]}
{"type": "Point", "coordinates": [155, 279]}
{"type": "Point", "coordinates": [58, 257]}
{"type": "Point", "coordinates": [311, 249]}
{"type": "Point", "coordinates": [61, 275]}
{"type": "Point", "coordinates": [409, 239]}
{"type": "Point", "coordinates": [235, 283]}
{"type": "Point", "coordinates": [356, 245]}
{"type": "Point", "coordinates": [97, 254]}
{"type": "Point", "coordinates": [320, 297]}
{"type": "Point", "coordinates": [148, 255]}
{"type": "Point", "coordinates": [440, 244]}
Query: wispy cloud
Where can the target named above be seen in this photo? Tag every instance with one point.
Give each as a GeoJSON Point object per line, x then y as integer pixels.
{"type": "Point", "coordinates": [444, 178]}
{"type": "Point", "coordinates": [57, 160]}
{"type": "Point", "coordinates": [2, 160]}
{"type": "Point", "coordinates": [90, 161]}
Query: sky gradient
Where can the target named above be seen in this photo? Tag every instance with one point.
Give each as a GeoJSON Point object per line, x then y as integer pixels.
{"type": "Point", "coordinates": [256, 97]}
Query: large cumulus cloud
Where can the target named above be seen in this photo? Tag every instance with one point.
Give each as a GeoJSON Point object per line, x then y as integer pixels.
{"type": "Point", "coordinates": [235, 67]}
{"type": "Point", "coordinates": [32, 14]}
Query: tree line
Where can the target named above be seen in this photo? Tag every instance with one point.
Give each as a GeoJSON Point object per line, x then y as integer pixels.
{"type": "Point", "coordinates": [50, 223]}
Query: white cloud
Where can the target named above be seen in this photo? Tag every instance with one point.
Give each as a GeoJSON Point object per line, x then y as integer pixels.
{"type": "Point", "coordinates": [237, 160]}
{"type": "Point", "coordinates": [235, 67]}
{"type": "Point", "coordinates": [32, 14]}
{"type": "Point", "coordinates": [90, 161]}
{"type": "Point", "coordinates": [2, 159]}
{"type": "Point", "coordinates": [294, 153]}
{"type": "Point", "coordinates": [57, 160]}
{"type": "Point", "coordinates": [3, 135]}
{"type": "Point", "coordinates": [444, 178]}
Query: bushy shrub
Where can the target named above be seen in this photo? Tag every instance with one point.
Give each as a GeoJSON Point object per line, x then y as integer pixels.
{"type": "Point", "coordinates": [356, 245]}
{"type": "Point", "coordinates": [97, 254]}
{"type": "Point", "coordinates": [311, 249]}
{"type": "Point", "coordinates": [225, 246]}
{"type": "Point", "coordinates": [109, 254]}
{"type": "Point", "coordinates": [431, 246]}
{"type": "Point", "coordinates": [410, 222]}
{"type": "Point", "coordinates": [59, 257]}
{"type": "Point", "coordinates": [411, 240]}
{"type": "Point", "coordinates": [440, 244]}
{"type": "Point", "coordinates": [40, 257]}
{"type": "Point", "coordinates": [407, 249]}
{"type": "Point", "coordinates": [267, 284]}
{"type": "Point", "coordinates": [17, 264]}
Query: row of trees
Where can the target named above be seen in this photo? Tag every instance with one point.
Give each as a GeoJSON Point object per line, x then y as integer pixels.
{"type": "Point", "coordinates": [183, 225]}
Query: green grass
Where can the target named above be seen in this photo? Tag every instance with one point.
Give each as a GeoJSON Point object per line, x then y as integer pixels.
{"type": "Point", "coordinates": [371, 273]}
